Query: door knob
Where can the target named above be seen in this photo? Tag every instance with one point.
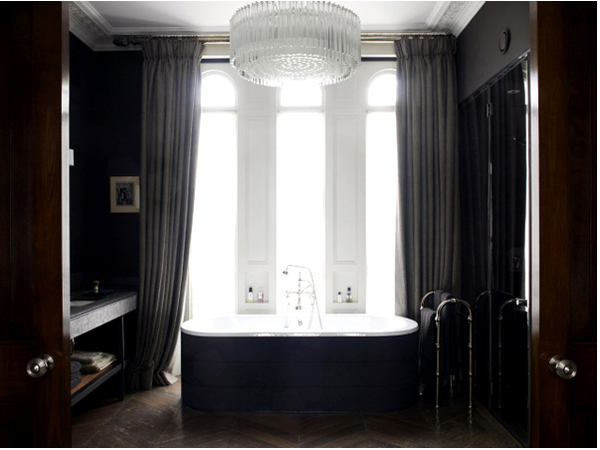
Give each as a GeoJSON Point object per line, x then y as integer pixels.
{"type": "Point", "coordinates": [39, 366]}
{"type": "Point", "coordinates": [564, 368]}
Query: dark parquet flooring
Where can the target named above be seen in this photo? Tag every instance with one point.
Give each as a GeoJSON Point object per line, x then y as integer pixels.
{"type": "Point", "coordinates": [157, 418]}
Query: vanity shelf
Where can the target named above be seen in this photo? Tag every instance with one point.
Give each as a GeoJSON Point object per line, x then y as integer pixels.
{"type": "Point", "coordinates": [353, 307]}
{"type": "Point", "coordinates": [89, 315]}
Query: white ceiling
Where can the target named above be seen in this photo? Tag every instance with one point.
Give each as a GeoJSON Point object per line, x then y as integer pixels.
{"type": "Point", "coordinates": [97, 23]}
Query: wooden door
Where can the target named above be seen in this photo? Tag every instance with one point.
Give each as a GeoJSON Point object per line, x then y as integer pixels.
{"type": "Point", "coordinates": [564, 151]}
{"type": "Point", "coordinates": [34, 245]}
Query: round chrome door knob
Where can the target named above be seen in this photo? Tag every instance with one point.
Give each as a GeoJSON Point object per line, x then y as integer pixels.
{"type": "Point", "coordinates": [564, 368]}
{"type": "Point", "coordinates": [37, 367]}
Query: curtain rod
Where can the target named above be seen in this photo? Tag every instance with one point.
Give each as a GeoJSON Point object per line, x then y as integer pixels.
{"type": "Point", "coordinates": [124, 41]}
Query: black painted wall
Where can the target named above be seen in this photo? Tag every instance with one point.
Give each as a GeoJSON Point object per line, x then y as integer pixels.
{"type": "Point", "coordinates": [105, 109]}
{"type": "Point", "coordinates": [478, 57]}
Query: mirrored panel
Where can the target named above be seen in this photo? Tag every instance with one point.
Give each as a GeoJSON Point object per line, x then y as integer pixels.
{"type": "Point", "coordinates": [508, 239]}
{"type": "Point", "coordinates": [495, 241]}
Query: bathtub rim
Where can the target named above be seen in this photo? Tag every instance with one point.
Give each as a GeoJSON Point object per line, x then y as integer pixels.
{"type": "Point", "coordinates": [411, 327]}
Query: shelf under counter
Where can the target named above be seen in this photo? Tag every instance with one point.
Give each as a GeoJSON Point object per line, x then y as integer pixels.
{"type": "Point", "coordinates": [88, 314]}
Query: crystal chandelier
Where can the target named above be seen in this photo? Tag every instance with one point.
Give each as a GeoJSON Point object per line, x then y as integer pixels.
{"type": "Point", "coordinates": [292, 42]}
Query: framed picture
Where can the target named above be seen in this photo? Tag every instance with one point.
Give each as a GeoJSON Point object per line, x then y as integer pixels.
{"type": "Point", "coordinates": [124, 194]}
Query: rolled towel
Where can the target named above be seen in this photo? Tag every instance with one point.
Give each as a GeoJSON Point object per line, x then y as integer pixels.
{"type": "Point", "coordinates": [75, 381]}
{"type": "Point", "coordinates": [86, 357]}
{"type": "Point", "coordinates": [75, 367]}
{"type": "Point", "coordinates": [427, 355]}
{"type": "Point", "coordinates": [99, 364]}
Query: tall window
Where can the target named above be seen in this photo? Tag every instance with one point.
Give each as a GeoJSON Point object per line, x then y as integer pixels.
{"type": "Point", "coordinates": [213, 253]}
{"type": "Point", "coordinates": [300, 190]}
{"type": "Point", "coordinates": [381, 193]}
{"type": "Point", "coordinates": [305, 177]}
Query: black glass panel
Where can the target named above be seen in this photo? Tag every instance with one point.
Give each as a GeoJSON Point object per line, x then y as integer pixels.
{"type": "Point", "coordinates": [494, 192]}
{"type": "Point", "coordinates": [509, 322]}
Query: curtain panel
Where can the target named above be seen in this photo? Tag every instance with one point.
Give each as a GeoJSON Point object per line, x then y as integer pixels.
{"type": "Point", "coordinates": [428, 222]}
{"type": "Point", "coordinates": [170, 135]}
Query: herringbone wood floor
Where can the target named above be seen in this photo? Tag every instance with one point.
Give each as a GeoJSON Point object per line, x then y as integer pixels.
{"type": "Point", "coordinates": [157, 418]}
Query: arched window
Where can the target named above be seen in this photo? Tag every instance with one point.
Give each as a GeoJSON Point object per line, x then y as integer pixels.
{"type": "Point", "coordinates": [381, 162]}
{"type": "Point", "coordinates": [218, 91]}
{"type": "Point", "coordinates": [213, 256]}
{"type": "Point", "coordinates": [381, 92]}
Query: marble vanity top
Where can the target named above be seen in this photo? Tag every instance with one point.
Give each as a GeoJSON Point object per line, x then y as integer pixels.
{"type": "Point", "coordinates": [88, 313]}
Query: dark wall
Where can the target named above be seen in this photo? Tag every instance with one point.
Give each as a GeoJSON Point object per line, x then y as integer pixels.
{"type": "Point", "coordinates": [478, 57]}
{"type": "Point", "coordinates": [105, 109]}
{"type": "Point", "coordinates": [485, 142]}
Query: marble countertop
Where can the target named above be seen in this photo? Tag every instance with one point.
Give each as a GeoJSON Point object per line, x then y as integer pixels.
{"type": "Point", "coordinates": [88, 312]}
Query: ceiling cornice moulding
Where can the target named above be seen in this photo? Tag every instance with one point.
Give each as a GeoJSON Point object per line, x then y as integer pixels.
{"type": "Point", "coordinates": [91, 28]}
{"type": "Point", "coordinates": [83, 23]}
{"type": "Point", "coordinates": [453, 17]}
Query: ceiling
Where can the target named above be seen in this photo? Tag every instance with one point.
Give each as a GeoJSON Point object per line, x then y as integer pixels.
{"type": "Point", "coordinates": [97, 23]}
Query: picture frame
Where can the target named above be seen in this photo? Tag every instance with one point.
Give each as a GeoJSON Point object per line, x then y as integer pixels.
{"type": "Point", "coordinates": [125, 194]}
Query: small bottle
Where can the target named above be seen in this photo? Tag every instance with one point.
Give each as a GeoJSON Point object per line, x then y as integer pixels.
{"type": "Point", "coordinates": [349, 296]}
{"type": "Point", "coordinates": [260, 297]}
{"type": "Point", "coordinates": [250, 296]}
{"type": "Point", "coordinates": [339, 300]}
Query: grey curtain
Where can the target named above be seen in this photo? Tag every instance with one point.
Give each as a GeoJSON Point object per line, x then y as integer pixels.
{"type": "Point", "coordinates": [428, 229]}
{"type": "Point", "coordinates": [170, 132]}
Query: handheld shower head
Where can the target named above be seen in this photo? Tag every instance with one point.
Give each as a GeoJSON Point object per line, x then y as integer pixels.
{"type": "Point", "coordinates": [285, 272]}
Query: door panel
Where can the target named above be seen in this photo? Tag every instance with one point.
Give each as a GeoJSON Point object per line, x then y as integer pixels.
{"type": "Point", "coordinates": [34, 292]}
{"type": "Point", "coordinates": [582, 392]}
{"type": "Point", "coordinates": [563, 221]}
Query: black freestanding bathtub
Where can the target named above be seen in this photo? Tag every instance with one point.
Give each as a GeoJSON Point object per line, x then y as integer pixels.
{"type": "Point", "coordinates": [357, 363]}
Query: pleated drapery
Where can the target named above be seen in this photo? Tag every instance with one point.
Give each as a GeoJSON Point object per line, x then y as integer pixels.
{"type": "Point", "coordinates": [428, 225]}
{"type": "Point", "coordinates": [170, 135]}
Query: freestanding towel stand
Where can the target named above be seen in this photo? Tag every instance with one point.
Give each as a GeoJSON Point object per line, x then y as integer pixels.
{"type": "Point", "coordinates": [438, 321]}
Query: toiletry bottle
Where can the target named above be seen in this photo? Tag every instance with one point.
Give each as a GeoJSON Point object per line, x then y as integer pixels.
{"type": "Point", "coordinates": [250, 296]}
{"type": "Point", "coordinates": [339, 300]}
{"type": "Point", "coordinates": [349, 296]}
{"type": "Point", "coordinates": [261, 297]}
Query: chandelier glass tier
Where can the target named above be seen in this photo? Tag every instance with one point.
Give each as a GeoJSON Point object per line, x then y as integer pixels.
{"type": "Point", "coordinates": [291, 42]}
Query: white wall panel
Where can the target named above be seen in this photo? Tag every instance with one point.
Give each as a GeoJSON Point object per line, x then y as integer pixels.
{"type": "Point", "coordinates": [345, 94]}
{"type": "Point", "coordinates": [256, 96]}
{"type": "Point", "coordinates": [345, 197]}
{"type": "Point", "coordinates": [345, 188]}
{"type": "Point", "coordinates": [257, 174]}
{"type": "Point", "coordinates": [256, 209]}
